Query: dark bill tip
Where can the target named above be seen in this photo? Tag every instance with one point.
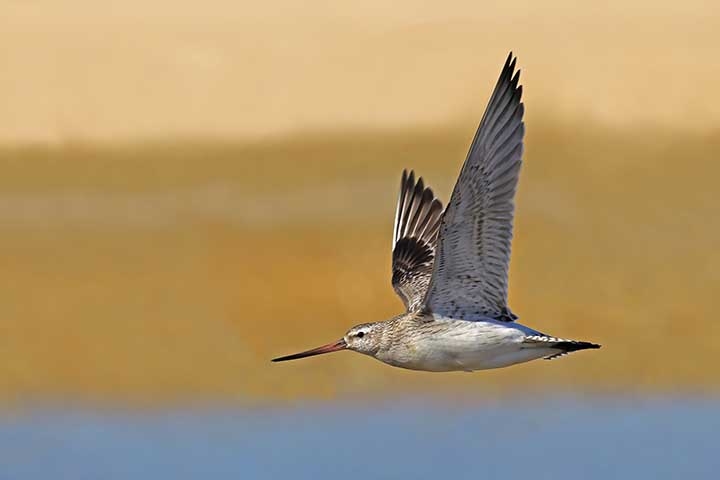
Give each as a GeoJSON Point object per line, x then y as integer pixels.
{"type": "Point", "coordinates": [330, 347]}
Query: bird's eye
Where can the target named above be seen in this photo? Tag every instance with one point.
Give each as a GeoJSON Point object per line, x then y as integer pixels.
{"type": "Point", "coordinates": [360, 334]}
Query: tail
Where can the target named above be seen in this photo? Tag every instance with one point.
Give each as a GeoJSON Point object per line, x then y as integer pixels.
{"type": "Point", "coordinates": [563, 346]}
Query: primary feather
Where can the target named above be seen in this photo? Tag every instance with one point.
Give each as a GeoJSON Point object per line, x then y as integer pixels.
{"type": "Point", "coordinates": [470, 275]}
{"type": "Point", "coordinates": [417, 221]}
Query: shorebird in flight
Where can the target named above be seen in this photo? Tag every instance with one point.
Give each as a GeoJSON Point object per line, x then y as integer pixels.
{"type": "Point", "coordinates": [450, 268]}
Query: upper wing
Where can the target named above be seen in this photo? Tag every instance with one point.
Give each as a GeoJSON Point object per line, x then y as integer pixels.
{"type": "Point", "coordinates": [417, 220]}
{"type": "Point", "coordinates": [469, 279]}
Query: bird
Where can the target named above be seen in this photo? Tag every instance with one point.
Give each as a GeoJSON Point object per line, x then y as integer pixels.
{"type": "Point", "coordinates": [450, 266]}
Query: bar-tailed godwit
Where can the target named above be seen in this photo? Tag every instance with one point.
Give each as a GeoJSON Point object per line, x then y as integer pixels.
{"type": "Point", "coordinates": [451, 267]}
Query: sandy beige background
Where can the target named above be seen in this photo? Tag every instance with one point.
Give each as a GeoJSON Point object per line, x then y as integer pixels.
{"type": "Point", "coordinates": [89, 70]}
{"type": "Point", "coordinates": [187, 190]}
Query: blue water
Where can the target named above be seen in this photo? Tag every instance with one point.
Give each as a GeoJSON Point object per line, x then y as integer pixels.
{"type": "Point", "coordinates": [579, 438]}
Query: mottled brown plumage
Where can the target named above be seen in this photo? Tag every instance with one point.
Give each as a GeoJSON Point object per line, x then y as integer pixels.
{"type": "Point", "coordinates": [417, 222]}
{"type": "Point", "coordinates": [451, 268]}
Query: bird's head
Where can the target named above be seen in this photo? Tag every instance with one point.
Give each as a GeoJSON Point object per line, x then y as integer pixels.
{"type": "Point", "coordinates": [363, 338]}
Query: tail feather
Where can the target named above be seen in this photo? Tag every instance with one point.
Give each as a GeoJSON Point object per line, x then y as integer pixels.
{"type": "Point", "coordinates": [563, 345]}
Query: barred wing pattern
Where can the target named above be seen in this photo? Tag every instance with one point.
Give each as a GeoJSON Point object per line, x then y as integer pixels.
{"type": "Point", "coordinates": [470, 275]}
{"type": "Point", "coordinates": [417, 221]}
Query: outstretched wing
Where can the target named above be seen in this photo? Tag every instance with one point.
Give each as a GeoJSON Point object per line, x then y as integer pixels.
{"type": "Point", "coordinates": [417, 220]}
{"type": "Point", "coordinates": [470, 276]}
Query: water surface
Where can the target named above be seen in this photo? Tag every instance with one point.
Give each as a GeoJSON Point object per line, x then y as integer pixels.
{"type": "Point", "coordinates": [578, 438]}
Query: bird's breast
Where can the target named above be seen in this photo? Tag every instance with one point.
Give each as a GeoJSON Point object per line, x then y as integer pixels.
{"type": "Point", "coordinates": [454, 345]}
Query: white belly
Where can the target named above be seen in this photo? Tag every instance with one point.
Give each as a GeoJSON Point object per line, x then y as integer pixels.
{"type": "Point", "coordinates": [466, 346]}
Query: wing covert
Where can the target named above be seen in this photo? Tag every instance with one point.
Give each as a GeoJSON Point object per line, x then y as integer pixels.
{"type": "Point", "coordinates": [470, 274]}
{"type": "Point", "coordinates": [417, 221]}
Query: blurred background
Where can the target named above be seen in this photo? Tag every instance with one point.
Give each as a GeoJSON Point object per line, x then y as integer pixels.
{"type": "Point", "coordinates": [190, 189]}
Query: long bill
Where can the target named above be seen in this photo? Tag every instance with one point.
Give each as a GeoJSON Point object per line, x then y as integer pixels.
{"type": "Point", "coordinates": [330, 347]}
